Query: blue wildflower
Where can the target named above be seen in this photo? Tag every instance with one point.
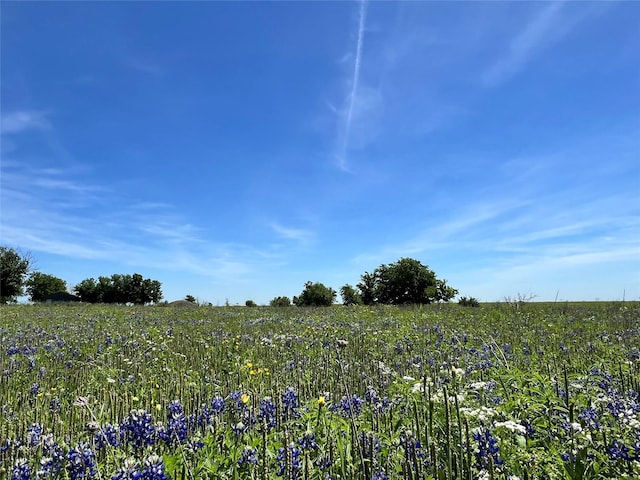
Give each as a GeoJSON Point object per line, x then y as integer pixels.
{"type": "Point", "coordinates": [239, 428]}
{"type": "Point", "coordinates": [371, 395]}
{"type": "Point", "coordinates": [619, 451]}
{"type": "Point", "coordinates": [236, 402]}
{"type": "Point", "coordinates": [128, 471]}
{"type": "Point", "coordinates": [138, 429]}
{"type": "Point", "coordinates": [81, 463]}
{"type": "Point", "coordinates": [590, 418]}
{"type": "Point", "coordinates": [267, 413]}
{"type": "Point", "coordinates": [33, 434]}
{"type": "Point", "coordinates": [52, 457]}
{"type": "Point", "coordinates": [108, 435]}
{"type": "Point", "coordinates": [217, 405]}
{"type": "Point", "coordinates": [21, 470]}
{"type": "Point", "coordinates": [308, 442]}
{"type": "Point", "coordinates": [349, 406]}
{"type": "Point", "coordinates": [290, 403]}
{"type": "Point", "coordinates": [370, 444]}
{"type": "Point", "coordinates": [412, 446]}
{"type": "Point", "coordinates": [289, 462]}
{"type": "Point", "coordinates": [488, 449]}
{"type": "Point", "coordinates": [177, 426]}
{"type": "Point", "coordinates": [195, 444]}
{"type": "Point", "coordinates": [249, 457]}
{"type": "Point", "coordinates": [154, 469]}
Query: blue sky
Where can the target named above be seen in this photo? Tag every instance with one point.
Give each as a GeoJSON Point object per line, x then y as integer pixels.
{"type": "Point", "coordinates": [237, 150]}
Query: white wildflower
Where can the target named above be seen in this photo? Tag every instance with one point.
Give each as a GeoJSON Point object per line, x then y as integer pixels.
{"type": "Point", "coordinates": [513, 426]}
{"type": "Point", "coordinates": [384, 370]}
{"type": "Point", "coordinates": [478, 385]}
{"type": "Point", "coordinates": [483, 413]}
{"type": "Point", "coordinates": [417, 388]}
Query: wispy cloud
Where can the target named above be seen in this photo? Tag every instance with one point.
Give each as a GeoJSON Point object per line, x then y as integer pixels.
{"type": "Point", "coordinates": [144, 65]}
{"type": "Point", "coordinates": [355, 80]}
{"type": "Point", "coordinates": [45, 211]}
{"type": "Point", "coordinates": [23, 120]}
{"type": "Point", "coordinates": [295, 234]}
{"type": "Point", "coordinates": [485, 251]}
{"type": "Point", "coordinates": [541, 31]}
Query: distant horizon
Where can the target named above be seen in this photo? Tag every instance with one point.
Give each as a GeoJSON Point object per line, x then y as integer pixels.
{"type": "Point", "coordinates": [236, 150]}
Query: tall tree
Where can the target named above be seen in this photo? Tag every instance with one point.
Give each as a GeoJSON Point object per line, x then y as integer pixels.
{"type": "Point", "coordinates": [152, 290]}
{"type": "Point", "coordinates": [88, 291]}
{"type": "Point", "coordinates": [350, 295]}
{"type": "Point", "coordinates": [315, 295]}
{"type": "Point", "coordinates": [367, 287]}
{"type": "Point", "coordinates": [404, 282]}
{"type": "Point", "coordinates": [14, 269]}
{"type": "Point", "coordinates": [41, 285]}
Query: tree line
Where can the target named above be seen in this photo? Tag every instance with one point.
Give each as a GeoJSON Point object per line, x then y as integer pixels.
{"type": "Point", "coordinates": [120, 289]}
{"type": "Point", "coordinates": [405, 282]}
{"type": "Point", "coordinates": [17, 278]}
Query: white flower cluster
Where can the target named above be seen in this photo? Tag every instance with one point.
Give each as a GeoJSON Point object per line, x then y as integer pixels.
{"type": "Point", "coordinates": [419, 387]}
{"type": "Point", "coordinates": [513, 426]}
{"type": "Point", "coordinates": [483, 413]}
{"type": "Point", "coordinates": [477, 386]}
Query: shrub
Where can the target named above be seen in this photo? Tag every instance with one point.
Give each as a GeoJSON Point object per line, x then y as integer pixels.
{"type": "Point", "coordinates": [315, 295]}
{"type": "Point", "coordinates": [280, 302]}
{"type": "Point", "coordinates": [469, 302]}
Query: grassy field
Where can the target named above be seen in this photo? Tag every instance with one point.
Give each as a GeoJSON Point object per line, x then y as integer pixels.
{"type": "Point", "coordinates": [541, 391]}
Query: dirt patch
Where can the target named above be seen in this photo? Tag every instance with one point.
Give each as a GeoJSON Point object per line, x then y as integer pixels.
{"type": "Point", "coordinates": [182, 303]}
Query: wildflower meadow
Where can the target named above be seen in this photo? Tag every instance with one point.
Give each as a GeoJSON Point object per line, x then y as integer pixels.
{"type": "Point", "coordinates": [502, 391]}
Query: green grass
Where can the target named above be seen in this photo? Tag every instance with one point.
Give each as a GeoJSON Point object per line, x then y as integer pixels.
{"type": "Point", "coordinates": [542, 391]}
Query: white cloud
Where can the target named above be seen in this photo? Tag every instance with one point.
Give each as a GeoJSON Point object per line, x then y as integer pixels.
{"type": "Point", "coordinates": [547, 27]}
{"type": "Point", "coordinates": [23, 120]}
{"type": "Point", "coordinates": [43, 212]}
{"type": "Point", "coordinates": [144, 65]}
{"type": "Point", "coordinates": [354, 99]}
{"type": "Point", "coordinates": [296, 234]}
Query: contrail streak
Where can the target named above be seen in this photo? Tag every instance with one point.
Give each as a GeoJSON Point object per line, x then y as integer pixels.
{"type": "Point", "coordinates": [356, 76]}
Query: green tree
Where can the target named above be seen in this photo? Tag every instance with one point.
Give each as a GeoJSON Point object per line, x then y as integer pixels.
{"type": "Point", "coordinates": [88, 291]}
{"type": "Point", "coordinates": [250, 303]}
{"type": "Point", "coordinates": [280, 302]}
{"type": "Point", "coordinates": [152, 290]}
{"type": "Point", "coordinates": [350, 295]}
{"type": "Point", "coordinates": [41, 285]}
{"type": "Point", "coordinates": [367, 287]}
{"type": "Point", "coordinates": [120, 289]}
{"type": "Point", "coordinates": [404, 282]}
{"type": "Point", "coordinates": [190, 298]}
{"type": "Point", "coordinates": [315, 295]}
{"type": "Point", "coordinates": [14, 269]}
